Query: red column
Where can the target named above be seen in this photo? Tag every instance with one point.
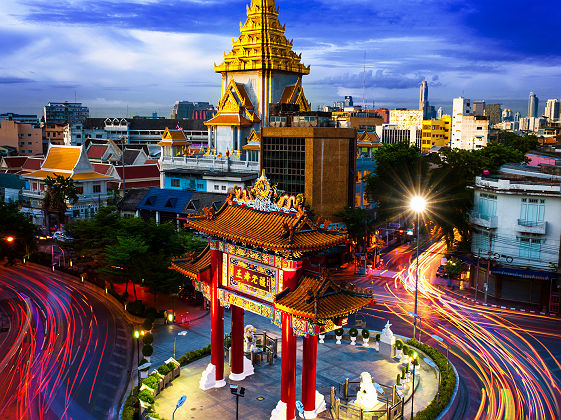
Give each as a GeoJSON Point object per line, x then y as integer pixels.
{"type": "Point", "coordinates": [288, 367]}
{"type": "Point", "coordinates": [216, 317]}
{"type": "Point", "coordinates": [291, 274]}
{"type": "Point", "coordinates": [309, 360]}
{"type": "Point", "coordinates": [237, 341]}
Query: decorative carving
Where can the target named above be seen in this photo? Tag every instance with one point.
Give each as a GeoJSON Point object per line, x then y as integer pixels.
{"type": "Point", "coordinates": [209, 213]}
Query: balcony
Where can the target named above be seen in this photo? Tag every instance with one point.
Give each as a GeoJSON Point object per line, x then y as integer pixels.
{"type": "Point", "coordinates": [530, 226]}
{"type": "Point", "coordinates": [483, 220]}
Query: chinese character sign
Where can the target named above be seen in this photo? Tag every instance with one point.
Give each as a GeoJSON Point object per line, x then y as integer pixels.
{"type": "Point", "coordinates": [251, 278]}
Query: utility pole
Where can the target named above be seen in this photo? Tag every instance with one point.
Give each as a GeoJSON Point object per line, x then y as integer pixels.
{"type": "Point", "coordinates": [477, 273]}
{"type": "Point", "coordinates": [488, 266]}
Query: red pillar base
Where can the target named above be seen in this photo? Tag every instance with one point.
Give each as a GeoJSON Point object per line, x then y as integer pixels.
{"type": "Point", "coordinates": [313, 401]}
{"type": "Point", "coordinates": [240, 366]}
{"type": "Point", "coordinates": [208, 379]}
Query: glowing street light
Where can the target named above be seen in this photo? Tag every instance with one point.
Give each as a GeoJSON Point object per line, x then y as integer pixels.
{"type": "Point", "coordinates": [10, 239]}
{"type": "Point", "coordinates": [418, 205]}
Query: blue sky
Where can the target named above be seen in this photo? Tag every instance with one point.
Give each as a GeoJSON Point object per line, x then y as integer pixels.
{"type": "Point", "coordinates": [146, 54]}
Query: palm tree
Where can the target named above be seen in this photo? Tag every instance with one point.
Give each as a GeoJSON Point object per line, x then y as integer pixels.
{"type": "Point", "coordinates": [60, 190]}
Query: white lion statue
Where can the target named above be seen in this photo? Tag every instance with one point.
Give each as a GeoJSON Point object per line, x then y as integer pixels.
{"type": "Point", "coordinates": [366, 398]}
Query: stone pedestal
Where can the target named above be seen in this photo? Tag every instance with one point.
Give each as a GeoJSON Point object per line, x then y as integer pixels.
{"type": "Point", "coordinates": [387, 350]}
{"type": "Point", "coordinates": [387, 341]}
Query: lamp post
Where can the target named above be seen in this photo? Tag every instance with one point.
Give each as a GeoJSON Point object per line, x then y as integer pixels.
{"type": "Point", "coordinates": [179, 404]}
{"type": "Point", "coordinates": [137, 336]}
{"type": "Point", "coordinates": [238, 391]}
{"type": "Point", "coordinates": [413, 386]}
{"type": "Point", "coordinates": [182, 333]}
{"type": "Point", "coordinates": [414, 315]}
{"type": "Point", "coordinates": [418, 205]}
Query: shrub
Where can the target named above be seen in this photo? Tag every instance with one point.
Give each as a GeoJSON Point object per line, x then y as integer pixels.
{"type": "Point", "coordinates": [403, 373]}
{"type": "Point", "coordinates": [136, 308]}
{"type": "Point", "coordinates": [365, 333]}
{"type": "Point", "coordinates": [447, 382]}
{"type": "Point", "coordinates": [353, 332]}
{"type": "Point", "coordinates": [399, 344]}
{"type": "Point", "coordinates": [163, 370]}
{"type": "Point", "coordinates": [146, 396]}
{"type": "Point", "coordinates": [142, 361]}
{"type": "Point", "coordinates": [148, 338]}
{"type": "Point", "coordinates": [378, 337]}
{"type": "Point", "coordinates": [398, 379]}
{"type": "Point", "coordinates": [171, 366]}
{"type": "Point", "coordinates": [128, 413]}
{"type": "Point", "coordinates": [147, 350]}
{"type": "Point", "coordinates": [405, 350]}
{"type": "Point", "coordinates": [150, 382]}
{"type": "Point", "coordinates": [339, 332]}
{"type": "Point", "coordinates": [147, 324]}
{"type": "Point", "coordinates": [194, 355]}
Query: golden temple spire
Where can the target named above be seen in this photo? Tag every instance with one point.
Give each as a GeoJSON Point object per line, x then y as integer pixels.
{"type": "Point", "coordinates": [262, 44]}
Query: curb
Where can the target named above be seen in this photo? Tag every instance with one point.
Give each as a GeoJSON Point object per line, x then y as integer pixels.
{"type": "Point", "coordinates": [450, 409]}
{"type": "Point", "coordinates": [551, 315]}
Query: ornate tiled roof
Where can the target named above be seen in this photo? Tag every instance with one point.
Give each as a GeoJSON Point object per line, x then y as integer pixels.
{"type": "Point", "coordinates": [261, 218]}
{"type": "Point", "coordinates": [319, 298]}
{"type": "Point", "coordinates": [262, 44]}
{"type": "Point", "coordinates": [190, 267]}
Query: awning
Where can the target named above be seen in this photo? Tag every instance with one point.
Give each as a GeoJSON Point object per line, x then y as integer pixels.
{"type": "Point", "coordinates": [527, 274]}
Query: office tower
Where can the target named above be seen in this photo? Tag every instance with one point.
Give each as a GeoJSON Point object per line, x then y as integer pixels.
{"type": "Point", "coordinates": [348, 101]}
{"type": "Point", "coordinates": [552, 109]}
{"type": "Point", "coordinates": [493, 111]}
{"type": "Point", "coordinates": [65, 113]}
{"type": "Point", "coordinates": [533, 102]}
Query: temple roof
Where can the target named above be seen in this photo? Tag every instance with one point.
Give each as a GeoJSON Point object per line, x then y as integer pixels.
{"type": "Point", "coordinates": [319, 298]}
{"type": "Point", "coordinates": [255, 218]}
{"type": "Point", "coordinates": [262, 44]}
{"type": "Point", "coordinates": [190, 267]}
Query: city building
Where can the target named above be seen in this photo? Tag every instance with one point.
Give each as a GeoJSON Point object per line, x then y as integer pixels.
{"type": "Point", "coordinates": [349, 102]}
{"type": "Point", "coordinates": [439, 113]}
{"type": "Point", "coordinates": [436, 133]}
{"type": "Point", "coordinates": [11, 187]}
{"type": "Point", "coordinates": [517, 116]}
{"type": "Point", "coordinates": [478, 108]}
{"type": "Point", "coordinates": [53, 133]}
{"type": "Point", "coordinates": [26, 138]}
{"type": "Point", "coordinates": [384, 113]}
{"type": "Point", "coordinates": [391, 134]}
{"type": "Point", "coordinates": [360, 120]}
{"type": "Point", "coordinates": [469, 131]}
{"type": "Point", "coordinates": [552, 110]}
{"type": "Point", "coordinates": [65, 113]}
{"type": "Point", "coordinates": [533, 103]}
{"type": "Point", "coordinates": [22, 118]}
{"type": "Point", "coordinates": [516, 220]}
{"type": "Point", "coordinates": [406, 120]}
{"type": "Point", "coordinates": [531, 124]}
{"type": "Point", "coordinates": [192, 111]}
{"type": "Point", "coordinates": [493, 111]}
{"type": "Point", "coordinates": [70, 162]}
{"type": "Point", "coordinates": [507, 115]}
{"type": "Point", "coordinates": [424, 99]}
{"type": "Point", "coordinates": [319, 162]}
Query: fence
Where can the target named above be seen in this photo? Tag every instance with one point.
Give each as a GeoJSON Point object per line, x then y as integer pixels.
{"type": "Point", "coordinates": [267, 349]}
{"type": "Point", "coordinates": [342, 408]}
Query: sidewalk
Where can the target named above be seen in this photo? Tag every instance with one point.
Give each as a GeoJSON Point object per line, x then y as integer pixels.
{"type": "Point", "coordinates": [469, 294]}
{"type": "Point", "coordinates": [334, 364]}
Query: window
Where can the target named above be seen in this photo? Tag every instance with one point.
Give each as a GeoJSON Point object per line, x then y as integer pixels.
{"type": "Point", "coordinates": [29, 151]}
{"type": "Point", "coordinates": [216, 188]}
{"type": "Point", "coordinates": [175, 183]}
{"type": "Point", "coordinates": [532, 211]}
{"type": "Point", "coordinates": [78, 136]}
{"type": "Point", "coordinates": [487, 206]}
{"type": "Point", "coordinates": [97, 188]}
{"type": "Point", "coordinates": [29, 143]}
{"type": "Point", "coordinates": [98, 136]}
{"type": "Point", "coordinates": [28, 134]}
{"type": "Point", "coordinates": [200, 186]}
{"type": "Point", "coordinates": [223, 187]}
{"type": "Point", "coordinates": [530, 248]}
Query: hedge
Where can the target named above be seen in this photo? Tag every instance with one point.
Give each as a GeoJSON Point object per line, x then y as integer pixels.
{"type": "Point", "coordinates": [194, 355]}
{"type": "Point", "coordinates": [163, 370]}
{"type": "Point", "coordinates": [151, 382]}
{"type": "Point", "coordinates": [447, 382]}
{"type": "Point", "coordinates": [146, 396]}
{"type": "Point", "coordinates": [148, 338]}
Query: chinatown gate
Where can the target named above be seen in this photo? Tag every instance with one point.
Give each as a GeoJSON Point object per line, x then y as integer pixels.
{"type": "Point", "coordinates": [259, 260]}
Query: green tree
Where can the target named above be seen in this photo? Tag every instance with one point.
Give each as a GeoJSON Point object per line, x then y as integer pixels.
{"type": "Point", "coordinates": [521, 143]}
{"type": "Point", "coordinates": [359, 225]}
{"type": "Point", "coordinates": [19, 228]}
{"type": "Point", "coordinates": [60, 190]}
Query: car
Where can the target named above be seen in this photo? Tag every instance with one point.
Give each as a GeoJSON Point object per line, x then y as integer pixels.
{"type": "Point", "coordinates": [441, 272]}
{"type": "Point", "coordinates": [61, 236]}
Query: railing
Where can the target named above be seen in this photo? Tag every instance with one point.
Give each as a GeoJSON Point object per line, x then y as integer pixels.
{"type": "Point", "coordinates": [267, 349]}
{"type": "Point", "coordinates": [532, 226]}
{"type": "Point", "coordinates": [341, 406]}
{"type": "Point", "coordinates": [484, 220]}
{"type": "Point", "coordinates": [529, 223]}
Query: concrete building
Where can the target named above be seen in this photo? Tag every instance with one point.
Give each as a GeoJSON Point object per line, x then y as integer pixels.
{"type": "Point", "coordinates": [406, 120]}
{"type": "Point", "coordinates": [26, 138]}
{"type": "Point", "coordinates": [552, 110]}
{"type": "Point", "coordinates": [478, 108]}
{"type": "Point", "coordinates": [71, 162]}
{"type": "Point", "coordinates": [65, 113]}
{"type": "Point", "coordinates": [23, 118]}
{"type": "Point", "coordinates": [391, 134]}
{"type": "Point", "coordinates": [507, 115]}
{"type": "Point", "coordinates": [516, 220]}
{"type": "Point", "coordinates": [493, 111]}
{"type": "Point", "coordinates": [319, 162]}
{"type": "Point", "coordinates": [439, 113]}
{"type": "Point", "coordinates": [531, 124]}
{"type": "Point", "coordinates": [436, 133]}
{"type": "Point", "coordinates": [192, 111]}
{"type": "Point", "coordinates": [361, 121]}
{"type": "Point", "coordinates": [533, 103]}
{"type": "Point", "coordinates": [424, 99]}
{"type": "Point", "coordinates": [53, 133]}
{"type": "Point", "coordinates": [384, 113]}
{"type": "Point", "coordinates": [469, 131]}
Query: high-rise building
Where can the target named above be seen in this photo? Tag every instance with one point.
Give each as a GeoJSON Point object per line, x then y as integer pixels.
{"type": "Point", "coordinates": [65, 113]}
{"type": "Point", "coordinates": [424, 99]}
{"type": "Point", "coordinates": [517, 116]}
{"type": "Point", "coordinates": [439, 113]}
{"type": "Point", "coordinates": [533, 103]}
{"type": "Point", "coordinates": [552, 109]}
{"type": "Point", "coordinates": [493, 111]}
{"type": "Point", "coordinates": [507, 115]}
{"type": "Point", "coordinates": [349, 101]}
{"type": "Point", "coordinates": [469, 131]}
{"type": "Point", "coordinates": [478, 108]}
{"type": "Point", "coordinates": [192, 110]}
{"type": "Point", "coordinates": [22, 118]}
{"type": "Point", "coordinates": [436, 133]}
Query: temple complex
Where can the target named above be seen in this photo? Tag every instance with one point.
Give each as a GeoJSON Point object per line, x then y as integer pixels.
{"type": "Point", "coordinates": [259, 259]}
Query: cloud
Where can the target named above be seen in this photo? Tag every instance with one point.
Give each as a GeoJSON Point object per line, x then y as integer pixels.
{"type": "Point", "coordinates": [373, 79]}
{"type": "Point", "coordinates": [7, 80]}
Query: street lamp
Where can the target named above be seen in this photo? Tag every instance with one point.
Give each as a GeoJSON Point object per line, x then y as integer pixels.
{"type": "Point", "coordinates": [136, 335]}
{"type": "Point", "coordinates": [414, 315]}
{"type": "Point", "coordinates": [10, 239]}
{"type": "Point", "coordinates": [437, 338]}
{"type": "Point", "coordinates": [413, 387]}
{"type": "Point", "coordinates": [417, 204]}
{"type": "Point", "coordinates": [179, 404]}
{"type": "Point", "coordinates": [182, 333]}
{"type": "Point", "coordinates": [433, 365]}
{"type": "Point", "coordinates": [238, 391]}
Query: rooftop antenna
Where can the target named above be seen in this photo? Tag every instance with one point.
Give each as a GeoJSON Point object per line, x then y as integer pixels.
{"type": "Point", "coordinates": [75, 101]}
{"type": "Point", "coordinates": [364, 83]}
